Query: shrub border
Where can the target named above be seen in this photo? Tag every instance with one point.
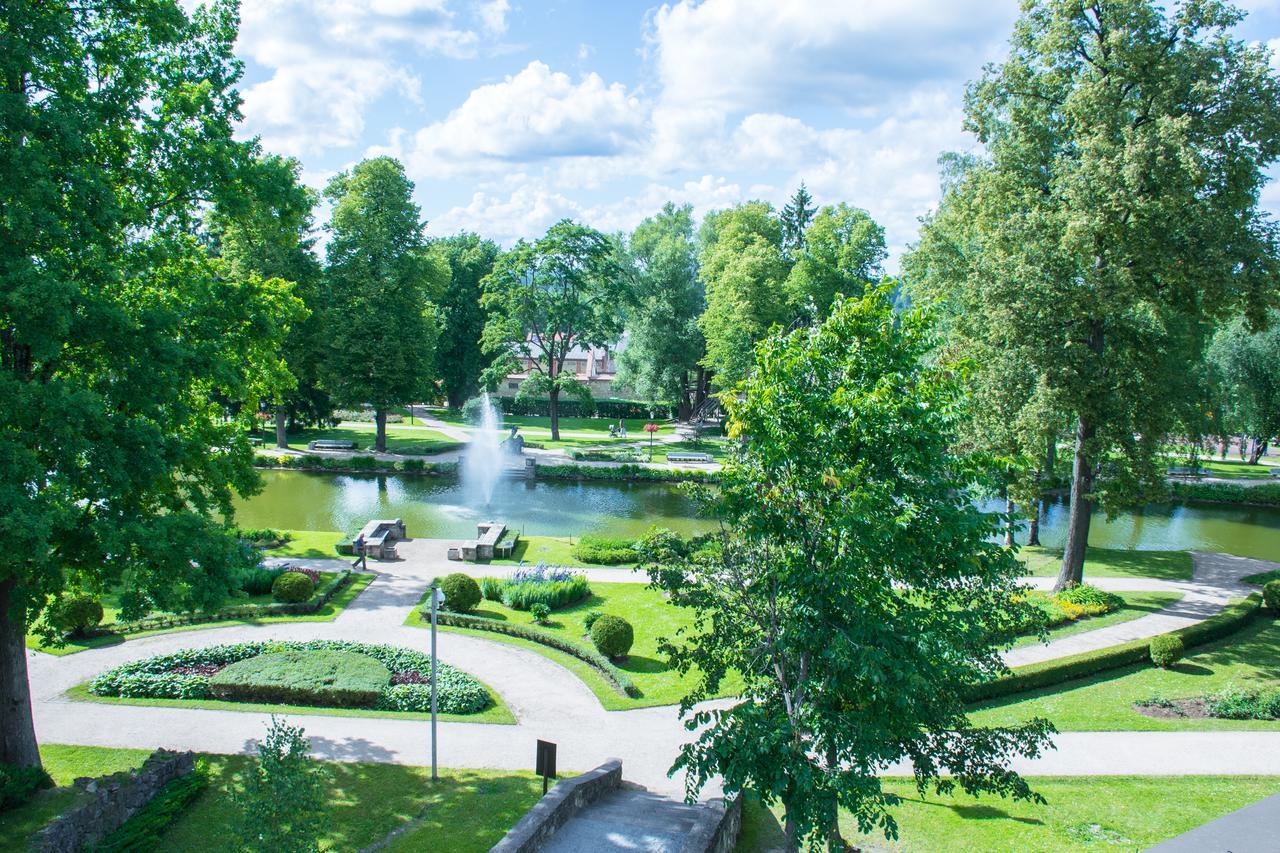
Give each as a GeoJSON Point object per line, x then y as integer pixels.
{"type": "Point", "coordinates": [617, 679]}
{"type": "Point", "coordinates": [626, 472]}
{"type": "Point", "coordinates": [1232, 618]}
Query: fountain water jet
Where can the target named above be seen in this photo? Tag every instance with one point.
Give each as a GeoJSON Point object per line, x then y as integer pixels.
{"type": "Point", "coordinates": [482, 460]}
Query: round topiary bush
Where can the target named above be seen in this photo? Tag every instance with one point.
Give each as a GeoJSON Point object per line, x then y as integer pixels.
{"type": "Point", "coordinates": [461, 592]}
{"type": "Point", "coordinates": [1166, 650]}
{"type": "Point", "coordinates": [540, 613]}
{"type": "Point", "coordinates": [612, 636]}
{"type": "Point", "coordinates": [75, 614]}
{"type": "Point", "coordinates": [292, 587]}
{"type": "Point", "coordinates": [1271, 596]}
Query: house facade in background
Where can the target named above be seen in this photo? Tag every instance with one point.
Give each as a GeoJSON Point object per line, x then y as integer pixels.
{"type": "Point", "coordinates": [595, 367]}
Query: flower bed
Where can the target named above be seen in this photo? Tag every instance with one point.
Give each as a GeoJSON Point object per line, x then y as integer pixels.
{"type": "Point", "coordinates": [554, 586]}
{"type": "Point", "coordinates": [296, 672]}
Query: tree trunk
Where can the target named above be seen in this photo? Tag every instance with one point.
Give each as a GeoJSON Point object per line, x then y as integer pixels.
{"type": "Point", "coordinates": [1256, 449]}
{"type": "Point", "coordinates": [685, 409]}
{"type": "Point", "coordinates": [17, 728]}
{"type": "Point", "coordinates": [1051, 455]}
{"type": "Point", "coordinates": [791, 839]}
{"type": "Point", "coordinates": [380, 419]}
{"type": "Point", "coordinates": [1081, 509]}
{"type": "Point", "coordinates": [1033, 529]}
{"type": "Point", "coordinates": [282, 427]}
{"type": "Point", "coordinates": [553, 408]}
{"type": "Point", "coordinates": [1008, 519]}
{"type": "Point", "coordinates": [700, 393]}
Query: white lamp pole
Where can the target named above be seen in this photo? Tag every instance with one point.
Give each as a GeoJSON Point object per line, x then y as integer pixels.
{"type": "Point", "coordinates": [437, 598]}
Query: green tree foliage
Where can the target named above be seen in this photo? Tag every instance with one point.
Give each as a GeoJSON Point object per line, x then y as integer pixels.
{"type": "Point", "coordinates": [664, 342]}
{"type": "Point", "coordinates": [281, 806]}
{"type": "Point", "coordinates": [1246, 369]}
{"type": "Point", "coordinates": [743, 270]}
{"type": "Point", "coordinates": [459, 357]}
{"type": "Point", "coordinates": [853, 584]}
{"type": "Point", "coordinates": [117, 331]}
{"type": "Point", "coordinates": [842, 253]}
{"type": "Point", "coordinates": [1114, 221]}
{"type": "Point", "coordinates": [268, 233]}
{"type": "Point", "coordinates": [566, 290]}
{"type": "Point", "coordinates": [796, 216]}
{"type": "Point", "coordinates": [381, 325]}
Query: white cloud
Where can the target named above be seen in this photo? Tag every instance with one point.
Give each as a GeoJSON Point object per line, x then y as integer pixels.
{"type": "Point", "coordinates": [532, 116]}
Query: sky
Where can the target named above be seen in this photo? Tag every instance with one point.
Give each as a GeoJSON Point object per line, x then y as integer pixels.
{"type": "Point", "coordinates": [512, 114]}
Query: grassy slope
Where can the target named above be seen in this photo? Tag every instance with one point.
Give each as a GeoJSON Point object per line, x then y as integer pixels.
{"type": "Point", "coordinates": [1084, 813]}
{"type": "Point", "coordinates": [325, 614]}
{"type": "Point", "coordinates": [465, 811]}
{"type": "Point", "coordinates": [1112, 563]}
{"type": "Point", "coordinates": [1105, 702]}
{"type": "Point", "coordinates": [308, 543]}
{"type": "Point", "coordinates": [652, 618]}
{"type": "Point", "coordinates": [1137, 605]}
{"type": "Point", "coordinates": [1232, 468]}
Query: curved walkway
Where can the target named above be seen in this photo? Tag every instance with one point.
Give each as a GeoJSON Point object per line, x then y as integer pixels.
{"type": "Point", "coordinates": [552, 704]}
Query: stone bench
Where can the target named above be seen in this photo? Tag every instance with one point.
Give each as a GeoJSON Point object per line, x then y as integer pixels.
{"type": "Point", "coordinates": [330, 444]}
{"type": "Point", "coordinates": [380, 537]}
{"type": "Point", "coordinates": [690, 457]}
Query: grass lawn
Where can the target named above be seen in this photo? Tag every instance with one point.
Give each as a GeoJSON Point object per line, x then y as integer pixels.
{"type": "Point", "coordinates": [556, 550]}
{"type": "Point", "coordinates": [1136, 605]}
{"type": "Point", "coordinates": [401, 438]}
{"type": "Point", "coordinates": [466, 811]}
{"type": "Point", "coordinates": [308, 543]}
{"type": "Point", "coordinates": [498, 713]}
{"type": "Point", "coordinates": [650, 615]}
{"type": "Point", "coordinates": [327, 613]}
{"type": "Point", "coordinates": [1104, 702]}
{"type": "Point", "coordinates": [1084, 813]}
{"type": "Point", "coordinates": [1231, 468]}
{"type": "Point", "coordinates": [1112, 563]}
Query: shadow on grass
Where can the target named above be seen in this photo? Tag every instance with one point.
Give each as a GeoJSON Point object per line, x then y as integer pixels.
{"type": "Point", "coordinates": [1185, 668]}
{"type": "Point", "coordinates": [640, 663]}
{"type": "Point", "coordinates": [975, 811]}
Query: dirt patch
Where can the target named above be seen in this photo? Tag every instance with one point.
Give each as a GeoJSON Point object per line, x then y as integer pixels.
{"type": "Point", "coordinates": [1173, 709]}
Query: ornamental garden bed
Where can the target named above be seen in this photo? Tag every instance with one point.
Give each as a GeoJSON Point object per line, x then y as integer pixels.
{"type": "Point", "coordinates": [320, 675]}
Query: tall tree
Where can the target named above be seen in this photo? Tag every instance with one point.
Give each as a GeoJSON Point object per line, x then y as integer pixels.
{"type": "Point", "coordinates": [1116, 218]}
{"type": "Point", "coordinates": [459, 357]}
{"type": "Point", "coordinates": [842, 253]}
{"type": "Point", "coordinates": [116, 329]}
{"type": "Point", "coordinates": [382, 325]}
{"type": "Point", "coordinates": [1246, 367]}
{"type": "Point", "coordinates": [268, 233]}
{"type": "Point", "coordinates": [743, 270]}
{"type": "Point", "coordinates": [853, 584]}
{"type": "Point", "coordinates": [664, 342]}
{"type": "Point", "coordinates": [566, 290]}
{"type": "Point", "coordinates": [797, 214]}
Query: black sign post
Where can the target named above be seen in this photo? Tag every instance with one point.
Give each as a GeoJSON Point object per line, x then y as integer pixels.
{"type": "Point", "coordinates": [546, 762]}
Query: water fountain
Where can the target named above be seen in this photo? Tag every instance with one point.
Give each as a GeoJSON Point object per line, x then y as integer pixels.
{"type": "Point", "coordinates": [482, 461]}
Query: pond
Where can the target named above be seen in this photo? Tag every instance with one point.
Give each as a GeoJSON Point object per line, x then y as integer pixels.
{"type": "Point", "coordinates": [440, 508]}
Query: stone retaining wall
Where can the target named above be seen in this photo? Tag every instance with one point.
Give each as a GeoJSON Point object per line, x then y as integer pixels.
{"type": "Point", "coordinates": [562, 802]}
{"type": "Point", "coordinates": [106, 803]}
{"type": "Point", "coordinates": [717, 829]}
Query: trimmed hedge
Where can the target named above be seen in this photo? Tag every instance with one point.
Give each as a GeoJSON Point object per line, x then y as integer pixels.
{"type": "Point", "coordinates": [624, 473]}
{"type": "Point", "coordinates": [1166, 650]}
{"type": "Point", "coordinates": [304, 677]}
{"type": "Point", "coordinates": [142, 831]}
{"type": "Point", "coordinates": [461, 592]}
{"type": "Point", "coordinates": [292, 588]}
{"type": "Point", "coordinates": [612, 636]}
{"type": "Point", "coordinates": [1265, 494]}
{"type": "Point", "coordinates": [608, 409]}
{"type": "Point", "coordinates": [617, 679]}
{"type": "Point", "coordinates": [186, 675]}
{"type": "Point", "coordinates": [1271, 596]}
{"type": "Point", "coordinates": [569, 471]}
{"type": "Point", "coordinates": [75, 614]}
{"type": "Point", "coordinates": [1034, 676]}
{"type": "Point", "coordinates": [605, 552]}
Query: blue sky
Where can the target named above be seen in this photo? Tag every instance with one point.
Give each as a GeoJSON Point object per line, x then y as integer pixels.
{"type": "Point", "coordinates": [510, 115]}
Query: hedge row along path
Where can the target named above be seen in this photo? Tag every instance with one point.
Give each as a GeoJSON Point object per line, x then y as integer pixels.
{"type": "Point", "coordinates": [551, 703]}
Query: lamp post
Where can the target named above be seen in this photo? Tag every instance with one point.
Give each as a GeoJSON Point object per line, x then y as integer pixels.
{"type": "Point", "coordinates": [437, 599]}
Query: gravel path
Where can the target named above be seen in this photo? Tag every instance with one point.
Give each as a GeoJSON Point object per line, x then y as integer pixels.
{"type": "Point", "coordinates": [552, 704]}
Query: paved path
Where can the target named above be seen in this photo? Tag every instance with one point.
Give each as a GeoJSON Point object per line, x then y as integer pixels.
{"type": "Point", "coordinates": [546, 699]}
{"type": "Point", "coordinates": [1252, 829]}
{"type": "Point", "coordinates": [627, 819]}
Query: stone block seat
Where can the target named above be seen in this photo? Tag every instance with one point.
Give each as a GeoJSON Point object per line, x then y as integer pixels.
{"type": "Point", "coordinates": [330, 444]}
{"type": "Point", "coordinates": [493, 541]}
{"type": "Point", "coordinates": [380, 537]}
{"type": "Point", "coordinates": [690, 457]}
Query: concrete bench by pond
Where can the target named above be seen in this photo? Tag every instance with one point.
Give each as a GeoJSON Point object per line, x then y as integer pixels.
{"type": "Point", "coordinates": [690, 457]}
{"type": "Point", "coordinates": [1179, 471]}
{"type": "Point", "coordinates": [380, 537]}
{"type": "Point", "coordinates": [493, 542]}
{"type": "Point", "coordinates": [330, 444]}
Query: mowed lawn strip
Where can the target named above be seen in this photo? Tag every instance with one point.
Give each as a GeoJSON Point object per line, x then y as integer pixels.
{"type": "Point", "coordinates": [1083, 813]}
{"type": "Point", "coordinates": [1111, 563]}
{"type": "Point", "coordinates": [1104, 702]}
{"type": "Point", "coordinates": [308, 543]}
{"type": "Point", "coordinates": [1136, 605]}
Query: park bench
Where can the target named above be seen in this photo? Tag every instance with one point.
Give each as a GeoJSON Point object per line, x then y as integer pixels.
{"type": "Point", "coordinates": [689, 457]}
{"type": "Point", "coordinates": [330, 444]}
{"type": "Point", "coordinates": [254, 441]}
{"type": "Point", "coordinates": [380, 536]}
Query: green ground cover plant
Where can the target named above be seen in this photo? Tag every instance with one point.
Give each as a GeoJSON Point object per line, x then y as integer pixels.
{"type": "Point", "coordinates": [466, 811]}
{"type": "Point", "coordinates": [1112, 563]}
{"type": "Point", "coordinates": [1105, 701]}
{"type": "Point", "coordinates": [303, 677]}
{"type": "Point", "coordinates": [1135, 605]}
{"type": "Point", "coordinates": [1083, 813]}
{"type": "Point", "coordinates": [554, 550]}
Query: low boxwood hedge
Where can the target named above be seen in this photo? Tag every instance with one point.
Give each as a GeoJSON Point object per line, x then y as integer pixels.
{"type": "Point", "coordinates": [324, 677]}
{"type": "Point", "coordinates": [1265, 494]}
{"type": "Point", "coordinates": [187, 675]}
{"type": "Point", "coordinates": [1232, 618]}
{"type": "Point", "coordinates": [617, 679]}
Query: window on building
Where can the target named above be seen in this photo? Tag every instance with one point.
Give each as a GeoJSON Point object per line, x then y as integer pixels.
{"type": "Point", "coordinates": [513, 385]}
